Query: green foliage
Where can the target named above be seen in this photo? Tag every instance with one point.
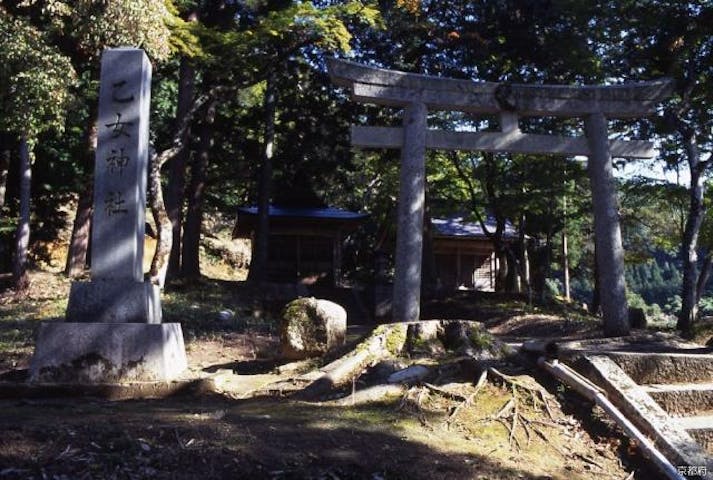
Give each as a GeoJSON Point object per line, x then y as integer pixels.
{"type": "Point", "coordinates": [652, 216]}
{"type": "Point", "coordinates": [235, 45]}
{"type": "Point", "coordinates": [95, 24]}
{"type": "Point", "coordinates": [238, 51]}
{"type": "Point", "coordinates": [657, 281]}
{"type": "Point", "coordinates": [553, 288]}
{"type": "Point", "coordinates": [655, 315]}
{"type": "Point", "coordinates": [35, 79]}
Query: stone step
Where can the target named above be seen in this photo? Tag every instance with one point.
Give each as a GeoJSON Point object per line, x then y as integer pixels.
{"type": "Point", "coordinates": [667, 432]}
{"type": "Point", "coordinates": [680, 399]}
{"type": "Point", "coordinates": [665, 368]}
{"type": "Point", "coordinates": [700, 428]}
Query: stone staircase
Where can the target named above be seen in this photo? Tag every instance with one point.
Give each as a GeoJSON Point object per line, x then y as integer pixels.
{"type": "Point", "coordinates": [681, 384]}
{"type": "Point", "coordinates": [663, 386]}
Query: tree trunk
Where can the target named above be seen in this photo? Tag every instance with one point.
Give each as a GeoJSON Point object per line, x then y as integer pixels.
{"type": "Point", "coordinates": [258, 263]}
{"type": "Point", "coordinates": [4, 169]}
{"type": "Point", "coordinates": [512, 282]}
{"type": "Point", "coordinates": [190, 267]}
{"type": "Point", "coordinates": [22, 234]}
{"type": "Point", "coordinates": [565, 253]}
{"type": "Point", "coordinates": [546, 264]}
{"type": "Point", "coordinates": [164, 227]}
{"type": "Point", "coordinates": [175, 193]}
{"type": "Point", "coordinates": [689, 244]}
{"type": "Point", "coordinates": [704, 276]}
{"type": "Point", "coordinates": [596, 293]}
{"type": "Point", "coordinates": [524, 260]}
{"type": "Point", "coordinates": [5, 163]}
{"type": "Point", "coordinates": [526, 278]}
{"type": "Point", "coordinates": [79, 244]}
{"type": "Point", "coordinates": [501, 275]}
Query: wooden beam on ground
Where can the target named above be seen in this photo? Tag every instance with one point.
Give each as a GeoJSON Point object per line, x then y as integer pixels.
{"type": "Point", "coordinates": [515, 142]}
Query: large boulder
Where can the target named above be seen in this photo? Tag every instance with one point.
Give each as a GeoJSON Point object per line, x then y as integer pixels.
{"type": "Point", "coordinates": [311, 327]}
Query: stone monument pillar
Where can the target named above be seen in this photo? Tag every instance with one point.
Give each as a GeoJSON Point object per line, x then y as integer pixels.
{"type": "Point", "coordinates": [113, 328]}
{"type": "Point", "coordinates": [117, 292]}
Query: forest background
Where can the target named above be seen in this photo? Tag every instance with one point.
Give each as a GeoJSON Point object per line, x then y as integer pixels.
{"type": "Point", "coordinates": [243, 113]}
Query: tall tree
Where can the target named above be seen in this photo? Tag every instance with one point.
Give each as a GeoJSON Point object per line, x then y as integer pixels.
{"type": "Point", "coordinates": [246, 49]}
{"type": "Point", "coordinates": [4, 170]}
{"type": "Point", "coordinates": [190, 265]}
{"type": "Point", "coordinates": [258, 264]}
{"type": "Point", "coordinates": [177, 173]}
{"type": "Point", "coordinates": [140, 23]}
{"type": "Point", "coordinates": [22, 234]}
{"type": "Point", "coordinates": [674, 39]}
{"type": "Point", "coordinates": [35, 82]}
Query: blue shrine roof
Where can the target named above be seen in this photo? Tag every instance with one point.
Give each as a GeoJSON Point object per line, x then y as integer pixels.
{"type": "Point", "coordinates": [460, 226]}
{"type": "Point", "coordinates": [307, 212]}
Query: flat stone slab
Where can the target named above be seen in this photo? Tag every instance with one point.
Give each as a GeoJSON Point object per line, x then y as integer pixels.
{"type": "Point", "coordinates": [658, 342]}
{"type": "Point", "coordinates": [683, 398]}
{"type": "Point", "coordinates": [700, 428]}
{"type": "Point", "coordinates": [679, 367]}
{"type": "Point", "coordinates": [701, 422]}
{"type": "Point", "coordinates": [114, 301]}
{"type": "Point", "coordinates": [670, 437]}
{"type": "Point", "coordinates": [108, 352]}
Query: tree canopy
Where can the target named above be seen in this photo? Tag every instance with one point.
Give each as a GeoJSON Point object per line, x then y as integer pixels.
{"type": "Point", "coordinates": [214, 62]}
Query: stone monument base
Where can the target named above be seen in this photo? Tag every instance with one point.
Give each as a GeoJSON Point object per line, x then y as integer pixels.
{"type": "Point", "coordinates": [114, 301]}
{"type": "Point", "coordinates": [108, 352]}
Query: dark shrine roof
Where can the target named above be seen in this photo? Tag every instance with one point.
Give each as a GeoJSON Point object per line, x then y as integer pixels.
{"type": "Point", "coordinates": [459, 226]}
{"type": "Point", "coordinates": [307, 212]}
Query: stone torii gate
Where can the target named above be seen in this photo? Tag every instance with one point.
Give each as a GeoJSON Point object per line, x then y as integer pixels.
{"type": "Point", "coordinates": [417, 94]}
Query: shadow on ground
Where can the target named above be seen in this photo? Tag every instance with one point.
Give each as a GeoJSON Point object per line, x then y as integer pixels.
{"type": "Point", "coordinates": [260, 438]}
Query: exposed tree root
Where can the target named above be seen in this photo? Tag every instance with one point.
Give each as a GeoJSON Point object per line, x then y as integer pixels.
{"type": "Point", "coordinates": [372, 394]}
{"type": "Point", "coordinates": [469, 400]}
{"type": "Point", "coordinates": [386, 340]}
{"type": "Point", "coordinates": [445, 393]}
{"type": "Point", "coordinates": [382, 343]}
{"type": "Point", "coordinates": [511, 414]}
{"type": "Point", "coordinates": [392, 339]}
{"type": "Point", "coordinates": [420, 398]}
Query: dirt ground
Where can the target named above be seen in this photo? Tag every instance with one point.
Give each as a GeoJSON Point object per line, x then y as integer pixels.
{"type": "Point", "coordinates": [216, 437]}
{"type": "Point", "coordinates": [229, 433]}
{"type": "Point", "coordinates": [213, 435]}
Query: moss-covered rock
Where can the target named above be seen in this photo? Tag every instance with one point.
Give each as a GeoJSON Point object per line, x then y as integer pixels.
{"type": "Point", "coordinates": [311, 327]}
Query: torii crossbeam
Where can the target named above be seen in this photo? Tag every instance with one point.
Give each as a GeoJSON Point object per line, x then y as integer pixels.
{"type": "Point", "coordinates": [417, 94]}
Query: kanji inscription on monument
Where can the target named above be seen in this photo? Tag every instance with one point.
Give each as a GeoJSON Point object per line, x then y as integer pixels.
{"type": "Point", "coordinates": [121, 165]}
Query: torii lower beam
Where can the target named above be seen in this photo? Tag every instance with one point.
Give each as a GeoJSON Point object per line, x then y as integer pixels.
{"type": "Point", "coordinates": [513, 142]}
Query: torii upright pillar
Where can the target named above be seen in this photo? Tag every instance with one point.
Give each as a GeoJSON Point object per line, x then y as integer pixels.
{"type": "Point", "coordinates": [607, 232]}
{"type": "Point", "coordinates": [409, 229]}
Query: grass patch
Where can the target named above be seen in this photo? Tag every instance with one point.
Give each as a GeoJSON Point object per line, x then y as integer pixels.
{"type": "Point", "coordinates": [208, 308]}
